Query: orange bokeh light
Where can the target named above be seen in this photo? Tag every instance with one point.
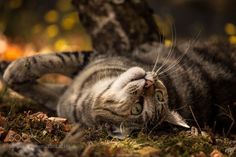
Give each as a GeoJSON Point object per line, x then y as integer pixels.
{"type": "Point", "coordinates": [12, 52]}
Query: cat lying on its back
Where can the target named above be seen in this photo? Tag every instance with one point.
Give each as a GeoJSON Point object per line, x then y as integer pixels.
{"type": "Point", "coordinates": [124, 93]}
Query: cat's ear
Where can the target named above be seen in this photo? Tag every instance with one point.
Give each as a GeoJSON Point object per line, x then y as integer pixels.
{"type": "Point", "coordinates": [175, 118]}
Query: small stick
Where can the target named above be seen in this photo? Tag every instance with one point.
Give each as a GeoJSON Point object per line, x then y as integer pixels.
{"type": "Point", "coordinates": [75, 133]}
{"type": "Point", "coordinates": [195, 118]}
{"type": "Point", "coordinates": [233, 121]}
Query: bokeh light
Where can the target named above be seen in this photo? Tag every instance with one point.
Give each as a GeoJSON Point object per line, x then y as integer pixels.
{"type": "Point", "coordinates": [14, 4]}
{"type": "Point", "coordinates": [168, 43]}
{"type": "Point", "coordinates": [38, 28]}
{"type": "Point", "coordinates": [13, 52]}
{"type": "Point", "coordinates": [230, 29]}
{"type": "Point", "coordinates": [51, 16]}
{"type": "Point", "coordinates": [69, 21]}
{"type": "Point", "coordinates": [28, 27]}
{"type": "Point", "coordinates": [2, 26]}
{"type": "Point", "coordinates": [64, 5]}
{"type": "Point", "coordinates": [3, 44]}
{"type": "Point", "coordinates": [52, 31]}
{"type": "Point", "coordinates": [60, 45]}
{"type": "Point", "coordinates": [232, 40]}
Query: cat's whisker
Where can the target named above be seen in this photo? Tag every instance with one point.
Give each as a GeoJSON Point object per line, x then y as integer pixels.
{"type": "Point", "coordinates": [176, 75]}
{"type": "Point", "coordinates": [165, 61]}
{"type": "Point", "coordinates": [191, 43]}
{"type": "Point", "coordinates": [184, 71]}
{"type": "Point", "coordinates": [174, 72]}
{"type": "Point", "coordinates": [182, 107]}
{"type": "Point", "coordinates": [173, 36]}
{"type": "Point", "coordinates": [154, 67]}
{"type": "Point", "coordinates": [154, 127]}
{"type": "Point", "coordinates": [177, 61]}
{"type": "Point", "coordinates": [157, 58]}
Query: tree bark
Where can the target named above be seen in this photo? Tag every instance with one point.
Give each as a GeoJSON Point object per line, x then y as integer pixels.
{"type": "Point", "coordinates": [117, 26]}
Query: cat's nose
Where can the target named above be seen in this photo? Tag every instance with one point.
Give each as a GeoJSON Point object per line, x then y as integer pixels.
{"type": "Point", "coordinates": [149, 79]}
{"type": "Point", "coordinates": [148, 83]}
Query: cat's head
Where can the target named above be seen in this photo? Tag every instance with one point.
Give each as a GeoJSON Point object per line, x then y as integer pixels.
{"type": "Point", "coordinates": [132, 101]}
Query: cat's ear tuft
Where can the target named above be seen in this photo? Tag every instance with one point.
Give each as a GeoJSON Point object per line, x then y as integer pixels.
{"type": "Point", "coordinates": [175, 118]}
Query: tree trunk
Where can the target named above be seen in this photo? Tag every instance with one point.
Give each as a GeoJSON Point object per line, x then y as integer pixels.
{"type": "Point", "coordinates": [117, 26]}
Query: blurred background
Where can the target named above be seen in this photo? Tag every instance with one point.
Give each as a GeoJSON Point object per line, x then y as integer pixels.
{"type": "Point", "coordinates": [28, 27]}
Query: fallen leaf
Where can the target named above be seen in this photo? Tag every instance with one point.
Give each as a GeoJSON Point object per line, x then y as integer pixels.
{"type": "Point", "coordinates": [67, 127]}
{"type": "Point", "coordinates": [216, 153]}
{"type": "Point", "coordinates": [26, 137]}
{"type": "Point", "coordinates": [12, 136]}
{"type": "Point", "coordinates": [200, 154]}
{"type": "Point", "coordinates": [39, 116]}
{"type": "Point", "coordinates": [2, 131]}
{"type": "Point", "coordinates": [3, 120]}
{"type": "Point", "coordinates": [49, 126]}
{"type": "Point", "coordinates": [57, 119]}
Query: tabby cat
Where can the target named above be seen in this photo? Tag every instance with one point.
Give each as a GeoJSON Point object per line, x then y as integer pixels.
{"type": "Point", "coordinates": [140, 90]}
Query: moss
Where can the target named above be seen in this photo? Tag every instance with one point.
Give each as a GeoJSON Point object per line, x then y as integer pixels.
{"type": "Point", "coordinates": [97, 142]}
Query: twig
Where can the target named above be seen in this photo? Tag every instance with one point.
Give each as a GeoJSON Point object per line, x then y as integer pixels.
{"type": "Point", "coordinates": [76, 133]}
{"type": "Point", "coordinates": [195, 118]}
{"type": "Point", "coordinates": [229, 115]}
{"type": "Point", "coordinates": [232, 123]}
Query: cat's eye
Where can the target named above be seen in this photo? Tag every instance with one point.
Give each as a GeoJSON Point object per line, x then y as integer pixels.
{"type": "Point", "coordinates": [159, 96]}
{"type": "Point", "coordinates": [137, 109]}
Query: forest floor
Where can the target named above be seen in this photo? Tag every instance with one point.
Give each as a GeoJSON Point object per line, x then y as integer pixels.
{"type": "Point", "coordinates": [24, 121]}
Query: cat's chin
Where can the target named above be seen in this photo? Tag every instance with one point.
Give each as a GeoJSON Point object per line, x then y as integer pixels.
{"type": "Point", "coordinates": [118, 132]}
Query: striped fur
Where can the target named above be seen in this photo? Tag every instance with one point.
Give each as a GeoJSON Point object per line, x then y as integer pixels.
{"type": "Point", "coordinates": [108, 91]}
{"type": "Point", "coordinates": [204, 80]}
{"type": "Point", "coordinates": [21, 75]}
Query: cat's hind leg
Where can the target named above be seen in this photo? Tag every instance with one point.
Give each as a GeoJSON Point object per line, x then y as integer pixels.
{"type": "Point", "coordinates": [3, 66]}
{"type": "Point", "coordinates": [42, 93]}
{"type": "Point", "coordinates": [21, 75]}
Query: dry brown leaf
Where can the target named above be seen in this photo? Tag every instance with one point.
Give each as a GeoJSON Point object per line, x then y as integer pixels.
{"type": "Point", "coordinates": [12, 136]}
{"type": "Point", "coordinates": [200, 154]}
{"type": "Point", "coordinates": [68, 127]}
{"type": "Point", "coordinates": [26, 137]}
{"type": "Point", "coordinates": [2, 131]}
{"type": "Point", "coordinates": [39, 116]}
{"type": "Point", "coordinates": [58, 119]}
{"type": "Point", "coordinates": [3, 120]}
{"type": "Point", "coordinates": [216, 153]}
{"type": "Point", "coordinates": [49, 127]}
